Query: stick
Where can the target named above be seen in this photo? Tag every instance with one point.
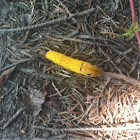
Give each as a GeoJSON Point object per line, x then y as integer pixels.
{"type": "Point", "coordinates": [134, 127]}
{"type": "Point", "coordinates": [122, 77]}
{"type": "Point", "coordinates": [134, 20]}
{"type": "Point", "coordinates": [48, 23]}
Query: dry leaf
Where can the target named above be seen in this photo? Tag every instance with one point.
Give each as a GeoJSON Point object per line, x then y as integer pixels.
{"type": "Point", "coordinates": [34, 101]}
{"type": "Point", "coordinates": [4, 76]}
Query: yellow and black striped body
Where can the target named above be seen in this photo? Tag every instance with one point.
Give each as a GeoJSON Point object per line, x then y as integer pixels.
{"type": "Point", "coordinates": [75, 65]}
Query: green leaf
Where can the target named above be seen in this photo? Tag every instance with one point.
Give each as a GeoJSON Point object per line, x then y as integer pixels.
{"type": "Point", "coordinates": [130, 32]}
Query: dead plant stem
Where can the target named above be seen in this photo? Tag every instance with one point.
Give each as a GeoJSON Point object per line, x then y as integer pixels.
{"type": "Point", "coordinates": [134, 20]}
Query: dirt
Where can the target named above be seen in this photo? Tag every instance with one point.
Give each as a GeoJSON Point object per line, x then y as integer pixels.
{"type": "Point", "coordinates": [38, 96]}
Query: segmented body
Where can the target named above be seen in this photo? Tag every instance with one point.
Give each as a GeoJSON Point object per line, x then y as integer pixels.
{"type": "Point", "coordinates": [75, 65]}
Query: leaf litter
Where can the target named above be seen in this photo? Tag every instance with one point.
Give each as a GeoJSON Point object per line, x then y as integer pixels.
{"type": "Point", "coordinates": [101, 108]}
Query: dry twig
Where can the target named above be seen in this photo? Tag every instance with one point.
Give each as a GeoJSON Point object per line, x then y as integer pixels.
{"type": "Point", "coordinates": [135, 127]}
{"type": "Point", "coordinates": [122, 77]}
{"type": "Point", "coordinates": [48, 23]}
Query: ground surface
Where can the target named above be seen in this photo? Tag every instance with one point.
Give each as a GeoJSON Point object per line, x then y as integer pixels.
{"type": "Point", "coordinates": [37, 96]}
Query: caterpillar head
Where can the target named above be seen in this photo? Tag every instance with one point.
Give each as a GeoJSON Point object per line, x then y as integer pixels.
{"type": "Point", "coordinates": [91, 70]}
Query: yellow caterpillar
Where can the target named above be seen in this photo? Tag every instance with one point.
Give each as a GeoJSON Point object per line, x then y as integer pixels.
{"type": "Point", "coordinates": [75, 65]}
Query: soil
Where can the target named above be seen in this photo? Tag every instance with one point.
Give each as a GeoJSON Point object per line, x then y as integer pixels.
{"type": "Point", "coordinates": [40, 100]}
